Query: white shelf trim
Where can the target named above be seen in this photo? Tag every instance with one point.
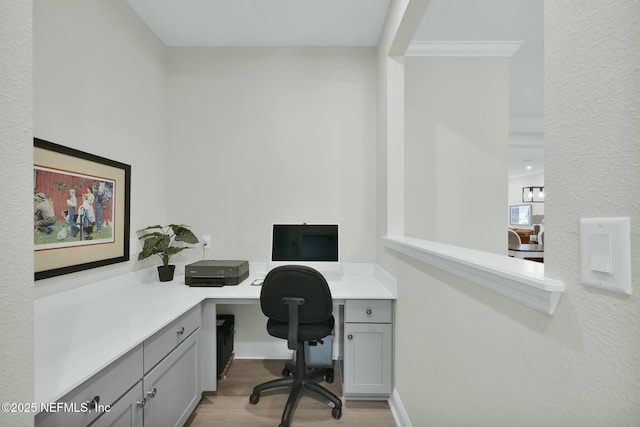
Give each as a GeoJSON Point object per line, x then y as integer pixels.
{"type": "Point", "coordinates": [497, 48]}
{"type": "Point", "coordinates": [520, 280]}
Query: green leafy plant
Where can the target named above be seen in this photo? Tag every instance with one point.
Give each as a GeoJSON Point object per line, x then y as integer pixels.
{"type": "Point", "coordinates": [161, 241]}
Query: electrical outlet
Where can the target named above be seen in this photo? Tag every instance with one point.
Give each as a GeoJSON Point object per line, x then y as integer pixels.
{"type": "Point", "coordinates": [206, 241]}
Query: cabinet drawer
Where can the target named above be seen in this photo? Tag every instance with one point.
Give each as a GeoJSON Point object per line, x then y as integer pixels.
{"type": "Point", "coordinates": [105, 387]}
{"type": "Point", "coordinates": [367, 311]}
{"type": "Point", "coordinates": [161, 343]}
{"type": "Point", "coordinates": [126, 412]}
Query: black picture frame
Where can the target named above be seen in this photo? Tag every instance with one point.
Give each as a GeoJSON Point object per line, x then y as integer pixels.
{"type": "Point", "coordinates": [85, 235]}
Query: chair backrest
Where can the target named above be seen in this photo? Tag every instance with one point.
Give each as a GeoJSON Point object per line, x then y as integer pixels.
{"type": "Point", "coordinates": [541, 237]}
{"type": "Point", "coordinates": [296, 281]}
{"type": "Point", "coordinates": [514, 238]}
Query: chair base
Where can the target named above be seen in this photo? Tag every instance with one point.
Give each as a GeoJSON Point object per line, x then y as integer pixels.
{"type": "Point", "coordinates": [301, 380]}
{"type": "Point", "coordinates": [327, 373]}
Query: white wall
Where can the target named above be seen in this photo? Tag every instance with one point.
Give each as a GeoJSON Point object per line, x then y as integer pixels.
{"type": "Point", "coordinates": [456, 127]}
{"type": "Point", "coordinates": [99, 87]}
{"type": "Point", "coordinates": [478, 359]}
{"type": "Point", "coordinates": [465, 356]}
{"type": "Point", "coordinates": [271, 135]}
{"type": "Point", "coordinates": [592, 152]}
{"type": "Point", "coordinates": [228, 141]}
{"type": "Point", "coordinates": [262, 136]}
{"type": "Point", "coordinates": [16, 251]}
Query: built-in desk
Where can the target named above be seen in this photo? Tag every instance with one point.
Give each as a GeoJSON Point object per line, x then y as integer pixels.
{"type": "Point", "coordinates": [82, 333]}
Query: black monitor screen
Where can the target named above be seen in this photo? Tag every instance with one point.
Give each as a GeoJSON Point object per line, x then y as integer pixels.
{"type": "Point", "coordinates": [304, 242]}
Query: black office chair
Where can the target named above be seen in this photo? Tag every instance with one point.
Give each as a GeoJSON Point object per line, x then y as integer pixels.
{"type": "Point", "coordinates": [298, 303]}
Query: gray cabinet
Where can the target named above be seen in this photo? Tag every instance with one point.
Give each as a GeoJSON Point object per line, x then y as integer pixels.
{"type": "Point", "coordinates": [157, 384]}
{"type": "Point", "coordinates": [126, 412]}
{"type": "Point", "coordinates": [366, 350]}
{"type": "Point", "coordinates": [166, 395]}
{"type": "Point", "coordinates": [164, 341]}
{"type": "Point", "coordinates": [173, 387]}
{"type": "Point", "coordinates": [93, 397]}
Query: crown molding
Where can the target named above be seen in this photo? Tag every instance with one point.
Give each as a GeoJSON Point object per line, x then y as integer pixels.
{"type": "Point", "coordinates": [464, 48]}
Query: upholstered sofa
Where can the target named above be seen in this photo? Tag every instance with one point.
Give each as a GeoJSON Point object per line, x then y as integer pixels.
{"type": "Point", "coordinates": [524, 234]}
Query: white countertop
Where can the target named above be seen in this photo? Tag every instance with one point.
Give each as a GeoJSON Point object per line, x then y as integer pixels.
{"type": "Point", "coordinates": [81, 331]}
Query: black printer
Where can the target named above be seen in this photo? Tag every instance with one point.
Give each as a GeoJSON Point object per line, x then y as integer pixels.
{"type": "Point", "coordinates": [216, 272]}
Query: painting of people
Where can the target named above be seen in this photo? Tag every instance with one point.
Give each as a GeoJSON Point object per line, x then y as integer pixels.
{"type": "Point", "coordinates": [81, 210]}
{"type": "Point", "coordinates": [71, 209]}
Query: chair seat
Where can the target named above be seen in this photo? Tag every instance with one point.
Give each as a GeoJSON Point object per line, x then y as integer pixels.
{"type": "Point", "coordinates": [306, 332]}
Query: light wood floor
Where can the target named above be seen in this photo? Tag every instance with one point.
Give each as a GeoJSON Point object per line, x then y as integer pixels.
{"type": "Point", "coordinates": [229, 406]}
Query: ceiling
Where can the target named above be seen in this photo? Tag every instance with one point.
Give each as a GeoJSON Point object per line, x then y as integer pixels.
{"type": "Point", "coordinates": [264, 22]}
{"type": "Point", "coordinates": [358, 23]}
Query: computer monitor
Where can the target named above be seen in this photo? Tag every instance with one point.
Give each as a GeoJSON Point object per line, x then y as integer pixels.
{"type": "Point", "coordinates": [520, 214]}
{"type": "Point", "coordinates": [305, 242]}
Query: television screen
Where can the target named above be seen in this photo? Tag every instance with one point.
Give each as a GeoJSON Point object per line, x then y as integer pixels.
{"type": "Point", "coordinates": [304, 242]}
{"type": "Point", "coordinates": [520, 214]}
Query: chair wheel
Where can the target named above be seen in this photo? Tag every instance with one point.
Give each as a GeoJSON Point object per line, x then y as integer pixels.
{"type": "Point", "coordinates": [329, 378]}
{"type": "Point", "coordinates": [286, 372]}
{"type": "Point", "coordinates": [254, 398]}
{"type": "Point", "coordinates": [336, 413]}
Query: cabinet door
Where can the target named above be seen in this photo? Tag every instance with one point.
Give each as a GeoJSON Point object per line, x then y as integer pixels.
{"type": "Point", "coordinates": [173, 387]}
{"type": "Point", "coordinates": [367, 360]}
{"type": "Point", "coordinates": [126, 412]}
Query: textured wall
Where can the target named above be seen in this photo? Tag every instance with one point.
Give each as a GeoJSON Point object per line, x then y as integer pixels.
{"type": "Point", "coordinates": [592, 156]}
{"type": "Point", "coordinates": [465, 356]}
{"type": "Point", "coordinates": [16, 250]}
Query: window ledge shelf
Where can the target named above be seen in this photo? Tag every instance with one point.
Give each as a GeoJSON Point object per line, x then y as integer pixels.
{"type": "Point", "coordinates": [520, 280]}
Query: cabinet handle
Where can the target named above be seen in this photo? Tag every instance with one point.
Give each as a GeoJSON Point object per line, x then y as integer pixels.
{"type": "Point", "coordinates": [180, 331]}
{"type": "Point", "coordinates": [93, 403]}
{"type": "Point", "coordinates": [349, 337]}
{"type": "Point", "coordinates": [369, 312]}
{"type": "Point", "coordinates": [141, 403]}
{"type": "Point", "coordinates": [152, 393]}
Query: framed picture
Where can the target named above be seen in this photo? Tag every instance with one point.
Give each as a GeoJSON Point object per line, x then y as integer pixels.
{"type": "Point", "coordinates": [80, 210]}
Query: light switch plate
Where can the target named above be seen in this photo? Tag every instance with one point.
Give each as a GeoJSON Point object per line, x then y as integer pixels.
{"type": "Point", "coordinates": [605, 252]}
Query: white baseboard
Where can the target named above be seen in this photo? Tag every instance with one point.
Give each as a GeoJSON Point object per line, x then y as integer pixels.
{"type": "Point", "coordinates": [262, 350]}
{"type": "Point", "coordinates": [268, 350]}
{"type": "Point", "coordinates": [397, 410]}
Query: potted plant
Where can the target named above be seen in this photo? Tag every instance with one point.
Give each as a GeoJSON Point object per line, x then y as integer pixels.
{"type": "Point", "coordinates": [159, 240]}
